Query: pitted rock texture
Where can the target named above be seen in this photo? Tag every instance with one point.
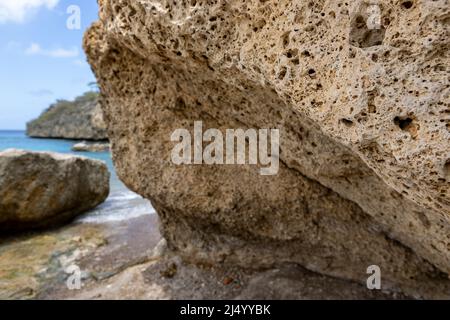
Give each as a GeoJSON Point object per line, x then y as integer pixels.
{"type": "Point", "coordinates": [80, 119]}
{"type": "Point", "coordinates": [363, 115]}
{"type": "Point", "coordinates": [39, 189]}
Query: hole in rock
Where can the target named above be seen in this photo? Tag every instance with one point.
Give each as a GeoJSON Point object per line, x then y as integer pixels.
{"type": "Point", "coordinates": [403, 123]}
{"type": "Point", "coordinates": [286, 39]}
{"type": "Point", "coordinates": [347, 122]}
{"type": "Point", "coordinates": [408, 124]}
{"type": "Point", "coordinates": [282, 73]}
{"type": "Point", "coordinates": [312, 72]}
{"type": "Point", "coordinates": [447, 169]}
{"type": "Point", "coordinates": [407, 4]}
{"type": "Point", "coordinates": [306, 53]}
{"type": "Point", "coordinates": [292, 53]}
{"type": "Point", "coordinates": [180, 104]}
{"type": "Point", "coordinates": [363, 37]}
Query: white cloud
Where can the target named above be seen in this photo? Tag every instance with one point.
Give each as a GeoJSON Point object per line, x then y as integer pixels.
{"type": "Point", "coordinates": [35, 49]}
{"type": "Point", "coordinates": [12, 46]}
{"type": "Point", "coordinates": [18, 10]}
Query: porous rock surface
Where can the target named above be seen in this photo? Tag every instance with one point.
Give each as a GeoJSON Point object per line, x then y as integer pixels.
{"type": "Point", "coordinates": [363, 114]}
{"type": "Point", "coordinates": [39, 189]}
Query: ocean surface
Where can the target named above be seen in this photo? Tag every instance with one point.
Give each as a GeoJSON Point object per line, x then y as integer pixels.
{"type": "Point", "coordinates": [121, 204]}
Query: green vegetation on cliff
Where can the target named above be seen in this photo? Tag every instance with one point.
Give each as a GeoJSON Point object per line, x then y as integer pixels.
{"type": "Point", "coordinates": [67, 107]}
{"type": "Point", "coordinates": [78, 119]}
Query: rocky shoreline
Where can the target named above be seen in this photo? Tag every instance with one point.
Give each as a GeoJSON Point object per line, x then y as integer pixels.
{"type": "Point", "coordinates": [33, 265]}
{"type": "Point", "coordinates": [81, 119]}
{"type": "Point", "coordinates": [129, 260]}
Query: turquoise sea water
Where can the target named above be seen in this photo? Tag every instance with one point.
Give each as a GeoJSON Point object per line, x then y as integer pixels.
{"type": "Point", "coordinates": [121, 203]}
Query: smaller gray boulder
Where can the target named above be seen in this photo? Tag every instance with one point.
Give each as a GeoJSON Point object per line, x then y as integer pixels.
{"type": "Point", "coordinates": [91, 147]}
{"type": "Point", "coordinates": [43, 189]}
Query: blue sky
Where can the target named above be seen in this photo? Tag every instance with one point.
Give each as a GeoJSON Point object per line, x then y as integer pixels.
{"type": "Point", "coordinates": [41, 59]}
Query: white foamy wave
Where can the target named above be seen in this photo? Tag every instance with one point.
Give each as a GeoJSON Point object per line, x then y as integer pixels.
{"type": "Point", "coordinates": [117, 215]}
{"type": "Point", "coordinates": [119, 206]}
{"type": "Point", "coordinates": [127, 195]}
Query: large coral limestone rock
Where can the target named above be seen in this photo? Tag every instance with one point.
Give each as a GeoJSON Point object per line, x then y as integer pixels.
{"type": "Point", "coordinates": [360, 93]}
{"type": "Point", "coordinates": [42, 189]}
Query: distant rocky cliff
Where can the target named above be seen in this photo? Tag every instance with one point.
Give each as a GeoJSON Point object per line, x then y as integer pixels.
{"type": "Point", "coordinates": [78, 119]}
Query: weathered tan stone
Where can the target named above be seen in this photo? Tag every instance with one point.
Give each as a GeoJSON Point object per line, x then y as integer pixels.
{"type": "Point", "coordinates": [39, 189]}
{"type": "Point", "coordinates": [363, 116]}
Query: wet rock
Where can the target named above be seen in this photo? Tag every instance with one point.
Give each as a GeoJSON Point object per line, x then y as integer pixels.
{"type": "Point", "coordinates": [37, 265]}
